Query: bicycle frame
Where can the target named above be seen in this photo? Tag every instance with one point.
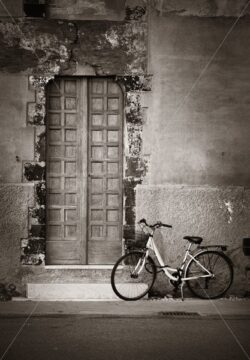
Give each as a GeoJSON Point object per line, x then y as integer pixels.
{"type": "Point", "coordinates": [168, 270]}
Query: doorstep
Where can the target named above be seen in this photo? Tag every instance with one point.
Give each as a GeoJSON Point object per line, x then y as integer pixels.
{"type": "Point", "coordinates": [71, 291]}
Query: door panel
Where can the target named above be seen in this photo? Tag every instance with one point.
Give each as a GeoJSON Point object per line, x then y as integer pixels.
{"type": "Point", "coordinates": [105, 171]}
{"type": "Point", "coordinates": [66, 171]}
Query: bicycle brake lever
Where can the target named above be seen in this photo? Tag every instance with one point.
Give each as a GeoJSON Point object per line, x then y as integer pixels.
{"type": "Point", "coordinates": [142, 221]}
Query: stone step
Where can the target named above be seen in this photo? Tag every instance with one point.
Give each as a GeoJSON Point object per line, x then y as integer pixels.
{"type": "Point", "coordinates": [75, 291]}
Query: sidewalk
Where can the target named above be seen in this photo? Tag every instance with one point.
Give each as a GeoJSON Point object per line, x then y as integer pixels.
{"type": "Point", "coordinates": [145, 308]}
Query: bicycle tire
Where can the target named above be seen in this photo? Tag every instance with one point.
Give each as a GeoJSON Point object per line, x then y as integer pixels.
{"type": "Point", "coordinates": [219, 265]}
{"type": "Point", "coordinates": [128, 285]}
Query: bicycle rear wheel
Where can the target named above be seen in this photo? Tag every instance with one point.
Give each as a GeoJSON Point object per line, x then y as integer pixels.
{"type": "Point", "coordinates": [211, 287]}
{"type": "Point", "coordinates": [133, 276]}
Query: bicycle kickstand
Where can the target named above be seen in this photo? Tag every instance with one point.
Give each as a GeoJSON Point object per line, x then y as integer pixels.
{"type": "Point", "coordinates": [182, 296]}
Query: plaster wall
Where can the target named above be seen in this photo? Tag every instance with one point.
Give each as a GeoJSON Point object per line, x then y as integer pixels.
{"type": "Point", "coordinates": [16, 139]}
{"type": "Point", "coordinates": [196, 136]}
{"type": "Point", "coordinates": [198, 127]}
{"type": "Point", "coordinates": [13, 226]}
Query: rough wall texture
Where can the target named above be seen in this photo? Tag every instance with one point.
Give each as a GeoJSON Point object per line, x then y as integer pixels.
{"type": "Point", "coordinates": [198, 130]}
{"type": "Point", "coordinates": [201, 8]}
{"type": "Point", "coordinates": [86, 10]}
{"type": "Point", "coordinates": [16, 140]}
{"type": "Point", "coordinates": [219, 215]}
{"type": "Point", "coordinates": [49, 47]}
{"type": "Point", "coordinates": [13, 226]}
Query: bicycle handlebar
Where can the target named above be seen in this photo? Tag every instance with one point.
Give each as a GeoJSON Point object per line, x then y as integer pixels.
{"type": "Point", "coordinates": [156, 225]}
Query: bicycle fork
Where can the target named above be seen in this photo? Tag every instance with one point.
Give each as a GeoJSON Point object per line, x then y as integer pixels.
{"type": "Point", "coordinates": [140, 265]}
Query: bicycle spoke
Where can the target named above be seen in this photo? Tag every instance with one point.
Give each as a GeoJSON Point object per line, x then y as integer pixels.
{"type": "Point", "coordinates": [210, 287]}
{"type": "Point", "coordinates": [134, 280]}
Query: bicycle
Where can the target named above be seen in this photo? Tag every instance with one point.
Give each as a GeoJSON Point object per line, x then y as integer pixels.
{"type": "Point", "coordinates": [207, 272]}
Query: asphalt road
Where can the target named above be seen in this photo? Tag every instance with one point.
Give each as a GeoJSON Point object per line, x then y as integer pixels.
{"type": "Point", "coordinates": [80, 337]}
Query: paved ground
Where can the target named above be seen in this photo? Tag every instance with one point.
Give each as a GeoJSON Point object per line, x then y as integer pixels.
{"type": "Point", "coordinates": [80, 337]}
{"type": "Point", "coordinates": [142, 330]}
{"type": "Point", "coordinates": [124, 308]}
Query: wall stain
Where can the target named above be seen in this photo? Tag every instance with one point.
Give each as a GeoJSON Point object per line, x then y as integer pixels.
{"type": "Point", "coordinates": [34, 171]}
{"type": "Point", "coordinates": [135, 13]}
{"type": "Point", "coordinates": [40, 193]}
{"type": "Point", "coordinates": [40, 147]}
{"type": "Point", "coordinates": [136, 82]}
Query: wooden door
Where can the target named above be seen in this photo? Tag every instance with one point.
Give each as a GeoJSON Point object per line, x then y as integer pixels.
{"type": "Point", "coordinates": [105, 171]}
{"type": "Point", "coordinates": [66, 171]}
{"type": "Point", "coordinates": [84, 171]}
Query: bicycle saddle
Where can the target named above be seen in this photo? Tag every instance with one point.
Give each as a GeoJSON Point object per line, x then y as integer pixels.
{"type": "Point", "coordinates": [193, 239]}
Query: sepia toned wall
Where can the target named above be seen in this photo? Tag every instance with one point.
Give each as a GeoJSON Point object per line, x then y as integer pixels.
{"type": "Point", "coordinates": [186, 147]}
{"type": "Point", "coordinates": [197, 134]}
{"type": "Point", "coordinates": [34, 51]}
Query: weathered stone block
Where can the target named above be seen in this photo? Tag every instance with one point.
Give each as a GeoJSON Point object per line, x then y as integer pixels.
{"type": "Point", "coordinates": [32, 251]}
{"type": "Point", "coordinates": [34, 171]}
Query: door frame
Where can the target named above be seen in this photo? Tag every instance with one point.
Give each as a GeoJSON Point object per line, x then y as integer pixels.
{"type": "Point", "coordinates": [83, 83]}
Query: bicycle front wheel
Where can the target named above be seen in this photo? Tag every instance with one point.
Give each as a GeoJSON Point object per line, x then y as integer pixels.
{"type": "Point", "coordinates": [133, 276]}
{"type": "Point", "coordinates": [215, 286]}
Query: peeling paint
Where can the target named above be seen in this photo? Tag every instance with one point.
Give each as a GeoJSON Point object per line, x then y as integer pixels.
{"type": "Point", "coordinates": [112, 37]}
{"type": "Point", "coordinates": [135, 13]}
{"type": "Point", "coordinates": [36, 114]}
{"type": "Point", "coordinates": [40, 193]}
{"type": "Point", "coordinates": [37, 215]}
{"type": "Point", "coordinates": [134, 139]}
{"type": "Point", "coordinates": [136, 167]}
{"type": "Point", "coordinates": [229, 207]}
{"type": "Point", "coordinates": [48, 49]}
{"type": "Point", "coordinates": [39, 82]}
{"type": "Point", "coordinates": [136, 82]}
{"type": "Point", "coordinates": [40, 145]}
{"type": "Point", "coordinates": [37, 110]}
{"type": "Point", "coordinates": [133, 108]}
{"type": "Point", "coordinates": [129, 189]}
